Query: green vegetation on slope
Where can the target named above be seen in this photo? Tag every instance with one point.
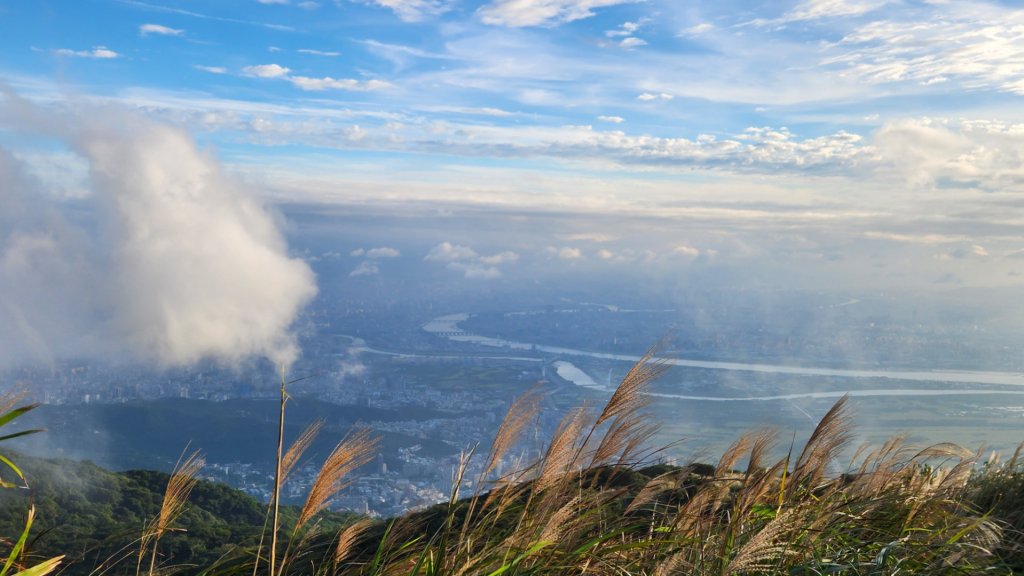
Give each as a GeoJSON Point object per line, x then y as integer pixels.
{"type": "Point", "coordinates": [91, 515]}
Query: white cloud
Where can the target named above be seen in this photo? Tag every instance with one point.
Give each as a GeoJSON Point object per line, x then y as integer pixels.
{"type": "Point", "coordinates": [697, 30]}
{"type": "Point", "coordinates": [520, 13]}
{"type": "Point", "coordinates": [180, 261]}
{"type": "Point", "coordinates": [317, 52]}
{"type": "Point", "coordinates": [632, 42]}
{"type": "Point", "coordinates": [924, 239]}
{"type": "Point", "coordinates": [474, 271]}
{"type": "Point", "coordinates": [647, 96]}
{"type": "Point", "coordinates": [686, 251]}
{"type": "Point", "coordinates": [564, 253]}
{"type": "Point", "coordinates": [500, 258]}
{"type": "Point", "coordinates": [211, 69]}
{"type": "Point", "coordinates": [98, 52]}
{"type": "Point", "coordinates": [625, 29]}
{"type": "Point", "coordinates": [970, 43]}
{"type": "Point", "coordinates": [817, 9]}
{"type": "Point", "coordinates": [933, 152]}
{"type": "Point", "coordinates": [365, 268]}
{"type": "Point", "coordinates": [273, 1]}
{"type": "Point", "coordinates": [313, 84]}
{"type": "Point", "coordinates": [266, 71]}
{"type": "Point", "coordinates": [416, 10]}
{"type": "Point", "coordinates": [328, 83]}
{"type": "Point", "coordinates": [147, 29]}
{"type": "Point", "coordinates": [612, 119]}
{"type": "Point", "coordinates": [468, 262]}
{"type": "Point", "coordinates": [448, 252]}
{"type": "Point", "coordinates": [308, 5]}
{"type": "Point", "coordinates": [590, 237]}
{"type": "Point", "coordinates": [358, 252]}
{"type": "Point", "coordinates": [383, 252]}
{"type": "Point", "coordinates": [627, 256]}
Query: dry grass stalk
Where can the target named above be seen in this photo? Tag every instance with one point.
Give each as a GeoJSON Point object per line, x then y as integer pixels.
{"type": "Point", "coordinates": [638, 438]}
{"type": "Point", "coordinates": [624, 436]}
{"type": "Point", "coordinates": [299, 447]}
{"type": "Point", "coordinates": [765, 548]}
{"type": "Point", "coordinates": [353, 451]}
{"type": "Point", "coordinates": [762, 442]}
{"type": "Point", "coordinates": [627, 429]}
{"type": "Point", "coordinates": [732, 455]}
{"type": "Point", "coordinates": [179, 486]}
{"type": "Point", "coordinates": [562, 521]}
{"type": "Point", "coordinates": [347, 539]}
{"type": "Point", "coordinates": [654, 488]}
{"type": "Point", "coordinates": [522, 411]}
{"type": "Point", "coordinates": [829, 437]}
{"type": "Point", "coordinates": [560, 456]}
{"type": "Point", "coordinates": [628, 396]}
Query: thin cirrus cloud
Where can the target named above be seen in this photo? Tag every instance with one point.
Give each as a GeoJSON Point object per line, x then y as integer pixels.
{"type": "Point", "coordinates": [97, 52]}
{"type": "Point", "coordinates": [415, 10]}
{"type": "Point", "coordinates": [159, 30]}
{"type": "Point", "coordinates": [966, 45]}
{"type": "Point", "coordinates": [522, 13]}
{"type": "Point", "coordinates": [318, 52]}
{"type": "Point", "coordinates": [818, 9]}
{"type": "Point", "coordinates": [211, 69]}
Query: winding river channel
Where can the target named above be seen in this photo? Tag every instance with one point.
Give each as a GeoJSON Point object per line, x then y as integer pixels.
{"type": "Point", "coordinates": [448, 326]}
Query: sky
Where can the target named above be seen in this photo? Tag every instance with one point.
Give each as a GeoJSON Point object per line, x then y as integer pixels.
{"type": "Point", "coordinates": [866, 143]}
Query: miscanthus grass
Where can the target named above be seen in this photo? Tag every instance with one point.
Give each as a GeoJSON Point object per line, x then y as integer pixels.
{"type": "Point", "coordinates": [591, 503]}
{"type": "Point", "coordinates": [588, 505]}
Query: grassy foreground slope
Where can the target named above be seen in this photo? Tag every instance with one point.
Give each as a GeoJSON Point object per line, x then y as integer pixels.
{"type": "Point", "coordinates": [588, 505]}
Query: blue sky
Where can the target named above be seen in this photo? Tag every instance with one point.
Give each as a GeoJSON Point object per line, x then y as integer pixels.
{"type": "Point", "coordinates": [817, 130]}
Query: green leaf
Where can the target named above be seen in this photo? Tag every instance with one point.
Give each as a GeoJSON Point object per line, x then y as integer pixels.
{"type": "Point", "coordinates": [11, 415]}
{"type": "Point", "coordinates": [42, 568]}
{"type": "Point", "coordinates": [10, 465]}
{"type": "Point", "coordinates": [763, 511]}
{"type": "Point", "coordinates": [526, 554]}
{"type": "Point", "coordinates": [22, 433]}
{"type": "Point", "coordinates": [21, 541]}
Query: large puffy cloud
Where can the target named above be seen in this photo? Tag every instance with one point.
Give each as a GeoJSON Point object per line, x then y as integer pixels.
{"type": "Point", "coordinates": [930, 152]}
{"type": "Point", "coordinates": [167, 260]}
